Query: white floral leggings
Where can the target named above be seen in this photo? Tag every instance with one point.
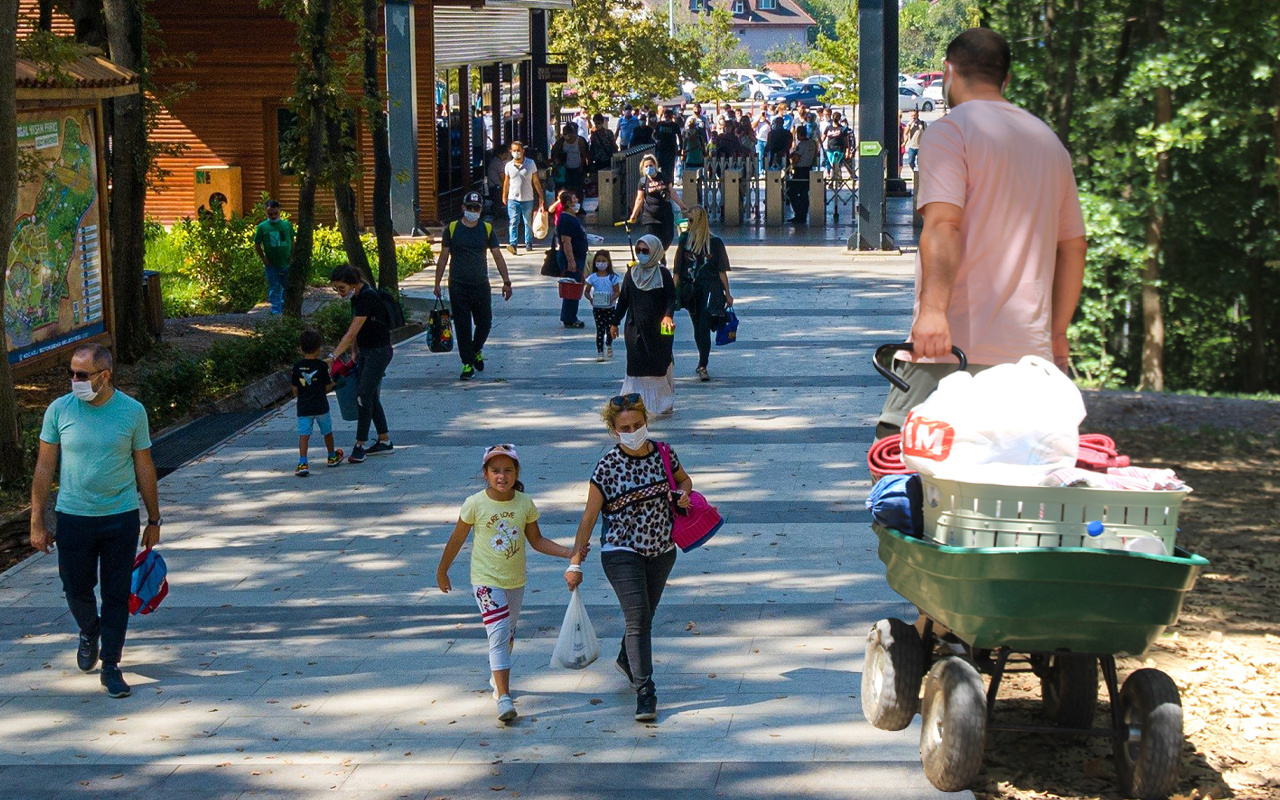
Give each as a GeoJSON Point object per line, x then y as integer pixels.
{"type": "Point", "coordinates": [499, 610]}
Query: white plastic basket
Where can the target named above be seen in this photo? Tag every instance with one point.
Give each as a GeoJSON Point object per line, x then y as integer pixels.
{"type": "Point", "coordinates": [985, 515]}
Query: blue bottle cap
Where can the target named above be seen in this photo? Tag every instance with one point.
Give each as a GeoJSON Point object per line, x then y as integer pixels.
{"type": "Point", "coordinates": [1094, 528]}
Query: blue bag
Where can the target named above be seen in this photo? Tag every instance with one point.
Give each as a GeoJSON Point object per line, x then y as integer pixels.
{"type": "Point", "coordinates": [897, 501]}
{"type": "Point", "coordinates": [346, 389]}
{"type": "Point", "coordinates": [728, 332]}
{"type": "Point", "coordinates": [150, 584]}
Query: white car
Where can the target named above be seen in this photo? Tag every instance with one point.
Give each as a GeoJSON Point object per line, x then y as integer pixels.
{"type": "Point", "coordinates": [910, 83]}
{"type": "Point", "coordinates": [761, 88]}
{"type": "Point", "coordinates": [909, 100]}
{"type": "Point", "coordinates": [821, 80]}
{"type": "Point", "coordinates": [932, 97]}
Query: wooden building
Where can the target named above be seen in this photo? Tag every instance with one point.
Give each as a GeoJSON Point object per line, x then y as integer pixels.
{"type": "Point", "coordinates": [445, 62]}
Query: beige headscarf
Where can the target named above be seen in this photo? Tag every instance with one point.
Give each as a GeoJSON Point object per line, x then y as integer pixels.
{"type": "Point", "coordinates": [648, 275]}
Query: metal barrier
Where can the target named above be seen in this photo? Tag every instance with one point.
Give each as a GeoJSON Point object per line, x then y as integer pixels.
{"type": "Point", "coordinates": [842, 186]}
{"type": "Point", "coordinates": [711, 185]}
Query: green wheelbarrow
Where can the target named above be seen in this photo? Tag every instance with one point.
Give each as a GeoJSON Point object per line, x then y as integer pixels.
{"type": "Point", "coordinates": [1061, 613]}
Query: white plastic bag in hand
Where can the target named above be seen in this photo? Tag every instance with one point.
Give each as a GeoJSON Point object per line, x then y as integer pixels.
{"type": "Point", "coordinates": [577, 645]}
{"type": "Point", "coordinates": [1011, 424]}
{"type": "Point", "coordinates": [541, 224]}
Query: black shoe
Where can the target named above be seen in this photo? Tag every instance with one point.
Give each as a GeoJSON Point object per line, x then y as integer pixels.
{"type": "Point", "coordinates": [114, 681]}
{"type": "Point", "coordinates": [468, 372]}
{"type": "Point", "coordinates": [478, 363]}
{"type": "Point", "coordinates": [87, 653]}
{"type": "Point", "coordinates": [357, 455]}
{"type": "Point", "coordinates": [702, 374]}
{"type": "Point", "coordinates": [380, 448]}
{"type": "Point", "coordinates": [578, 324]}
{"type": "Point", "coordinates": [646, 707]}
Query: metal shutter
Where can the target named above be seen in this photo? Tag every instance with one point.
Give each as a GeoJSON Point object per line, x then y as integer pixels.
{"type": "Point", "coordinates": [465, 36]}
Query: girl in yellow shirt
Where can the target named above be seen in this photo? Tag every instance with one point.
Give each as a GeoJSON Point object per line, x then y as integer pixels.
{"type": "Point", "coordinates": [503, 517]}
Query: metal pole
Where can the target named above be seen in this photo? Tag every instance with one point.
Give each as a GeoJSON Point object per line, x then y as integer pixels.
{"type": "Point", "coordinates": [872, 110]}
{"type": "Point", "coordinates": [671, 18]}
{"type": "Point", "coordinates": [539, 110]}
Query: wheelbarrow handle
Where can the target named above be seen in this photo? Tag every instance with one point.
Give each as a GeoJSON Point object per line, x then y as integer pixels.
{"type": "Point", "coordinates": [895, 379]}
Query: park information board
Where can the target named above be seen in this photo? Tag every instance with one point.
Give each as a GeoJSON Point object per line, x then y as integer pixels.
{"type": "Point", "coordinates": [54, 288]}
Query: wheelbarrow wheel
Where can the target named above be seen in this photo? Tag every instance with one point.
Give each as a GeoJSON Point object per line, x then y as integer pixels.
{"type": "Point", "coordinates": [1069, 690]}
{"type": "Point", "coordinates": [891, 674]}
{"type": "Point", "coordinates": [1148, 755]}
{"type": "Point", "coordinates": [955, 724]}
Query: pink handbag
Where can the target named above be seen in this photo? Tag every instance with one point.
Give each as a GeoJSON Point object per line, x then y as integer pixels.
{"type": "Point", "coordinates": [694, 525]}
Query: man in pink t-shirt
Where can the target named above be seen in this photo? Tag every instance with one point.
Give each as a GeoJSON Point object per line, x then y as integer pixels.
{"type": "Point", "coordinates": [1001, 258]}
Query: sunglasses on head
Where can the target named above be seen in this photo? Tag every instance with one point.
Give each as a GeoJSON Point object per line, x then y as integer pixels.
{"type": "Point", "coordinates": [624, 400]}
{"type": "Point", "coordinates": [81, 375]}
{"type": "Point", "coordinates": [499, 448]}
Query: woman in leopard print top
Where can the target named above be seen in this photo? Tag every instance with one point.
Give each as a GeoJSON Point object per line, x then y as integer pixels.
{"type": "Point", "coordinates": [630, 486]}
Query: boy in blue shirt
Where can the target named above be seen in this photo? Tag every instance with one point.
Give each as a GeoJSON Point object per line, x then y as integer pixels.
{"type": "Point", "coordinates": [311, 385]}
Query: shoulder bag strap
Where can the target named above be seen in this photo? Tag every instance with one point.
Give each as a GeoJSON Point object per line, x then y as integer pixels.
{"type": "Point", "coordinates": [665, 452]}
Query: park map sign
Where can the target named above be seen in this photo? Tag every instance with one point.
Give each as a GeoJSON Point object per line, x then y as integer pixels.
{"type": "Point", "coordinates": [54, 286]}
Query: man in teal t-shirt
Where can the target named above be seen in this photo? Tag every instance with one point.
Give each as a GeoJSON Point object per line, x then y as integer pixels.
{"type": "Point", "coordinates": [273, 241]}
{"type": "Point", "coordinates": [103, 440]}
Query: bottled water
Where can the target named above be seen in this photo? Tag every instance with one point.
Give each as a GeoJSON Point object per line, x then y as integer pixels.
{"type": "Point", "coordinates": [1101, 539]}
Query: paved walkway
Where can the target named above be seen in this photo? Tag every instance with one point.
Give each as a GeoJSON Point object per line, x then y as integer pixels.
{"type": "Point", "coordinates": [304, 651]}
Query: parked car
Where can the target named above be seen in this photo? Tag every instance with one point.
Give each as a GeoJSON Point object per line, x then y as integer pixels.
{"type": "Point", "coordinates": [821, 80]}
{"type": "Point", "coordinates": [799, 93]}
{"type": "Point", "coordinates": [932, 97]}
{"type": "Point", "coordinates": [909, 99]}
{"type": "Point", "coordinates": [910, 83]}
{"type": "Point", "coordinates": [742, 75]}
{"type": "Point", "coordinates": [760, 88]}
{"type": "Point", "coordinates": [927, 79]}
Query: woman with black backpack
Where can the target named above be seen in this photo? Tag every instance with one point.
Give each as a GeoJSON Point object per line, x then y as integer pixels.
{"type": "Point", "coordinates": [369, 337]}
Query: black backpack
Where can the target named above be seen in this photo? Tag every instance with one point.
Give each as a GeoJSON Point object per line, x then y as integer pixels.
{"type": "Point", "coordinates": [395, 312]}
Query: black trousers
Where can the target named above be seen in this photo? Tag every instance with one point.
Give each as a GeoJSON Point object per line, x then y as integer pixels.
{"type": "Point", "coordinates": [472, 318]}
{"type": "Point", "coordinates": [798, 193]}
{"type": "Point", "coordinates": [701, 327]}
{"type": "Point", "coordinates": [603, 318]}
{"type": "Point", "coordinates": [638, 581]}
{"type": "Point", "coordinates": [93, 550]}
{"type": "Point", "coordinates": [371, 366]}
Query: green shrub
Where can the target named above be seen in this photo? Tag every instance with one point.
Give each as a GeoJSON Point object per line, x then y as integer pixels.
{"type": "Point", "coordinates": [327, 253]}
{"type": "Point", "coordinates": [232, 364]}
{"type": "Point", "coordinates": [331, 321]}
{"type": "Point", "coordinates": [218, 255]}
{"type": "Point", "coordinates": [170, 385]}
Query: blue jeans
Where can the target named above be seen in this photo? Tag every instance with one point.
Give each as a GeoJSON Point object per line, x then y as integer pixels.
{"type": "Point", "coordinates": [93, 550]}
{"type": "Point", "coordinates": [276, 279]}
{"type": "Point", "coordinates": [569, 308]}
{"type": "Point", "coordinates": [759, 157]}
{"type": "Point", "coordinates": [913, 153]}
{"type": "Point", "coordinates": [518, 211]}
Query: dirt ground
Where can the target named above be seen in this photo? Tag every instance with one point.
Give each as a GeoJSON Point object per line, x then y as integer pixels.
{"type": "Point", "coordinates": [1224, 653]}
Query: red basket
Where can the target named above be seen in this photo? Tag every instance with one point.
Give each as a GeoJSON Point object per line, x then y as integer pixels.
{"type": "Point", "coordinates": [570, 289]}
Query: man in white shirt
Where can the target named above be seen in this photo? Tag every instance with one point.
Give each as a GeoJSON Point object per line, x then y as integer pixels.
{"type": "Point", "coordinates": [521, 193]}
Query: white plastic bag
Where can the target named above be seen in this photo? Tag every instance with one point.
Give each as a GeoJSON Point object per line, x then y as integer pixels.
{"type": "Point", "coordinates": [1012, 424]}
{"type": "Point", "coordinates": [541, 224]}
{"type": "Point", "coordinates": [577, 645]}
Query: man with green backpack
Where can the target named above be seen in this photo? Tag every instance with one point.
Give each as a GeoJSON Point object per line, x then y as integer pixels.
{"type": "Point", "coordinates": [465, 242]}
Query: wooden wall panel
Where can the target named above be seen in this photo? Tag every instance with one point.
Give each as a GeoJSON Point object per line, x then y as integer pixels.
{"type": "Point", "coordinates": [428, 195]}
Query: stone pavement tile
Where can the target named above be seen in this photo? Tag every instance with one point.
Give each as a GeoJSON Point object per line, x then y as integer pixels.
{"type": "Point", "coordinates": [464, 780]}
{"type": "Point", "coordinates": [210, 750]}
{"type": "Point", "coordinates": [46, 781]}
{"type": "Point", "coordinates": [613, 718]}
{"type": "Point", "coordinates": [195, 780]}
{"type": "Point", "coordinates": [346, 751]}
{"type": "Point", "coordinates": [503, 746]}
{"type": "Point", "coordinates": [656, 779]}
{"type": "Point", "coordinates": [855, 781]}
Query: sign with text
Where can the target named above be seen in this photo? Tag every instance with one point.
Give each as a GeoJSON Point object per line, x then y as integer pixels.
{"type": "Point", "coordinates": [553, 73]}
{"type": "Point", "coordinates": [870, 149]}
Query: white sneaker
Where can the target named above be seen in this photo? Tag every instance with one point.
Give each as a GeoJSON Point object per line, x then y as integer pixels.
{"type": "Point", "coordinates": [506, 708]}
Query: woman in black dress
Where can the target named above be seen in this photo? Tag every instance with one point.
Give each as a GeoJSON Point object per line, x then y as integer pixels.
{"type": "Point", "coordinates": [647, 302]}
{"type": "Point", "coordinates": [702, 282]}
{"type": "Point", "coordinates": [652, 209]}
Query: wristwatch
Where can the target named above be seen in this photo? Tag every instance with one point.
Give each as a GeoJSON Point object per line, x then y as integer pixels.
{"type": "Point", "coordinates": [158, 521]}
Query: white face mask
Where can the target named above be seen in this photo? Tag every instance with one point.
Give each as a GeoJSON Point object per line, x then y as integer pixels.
{"type": "Point", "coordinates": [574, 207]}
{"type": "Point", "coordinates": [635, 439]}
{"type": "Point", "coordinates": [471, 216]}
{"type": "Point", "coordinates": [84, 390]}
{"type": "Point", "coordinates": [518, 157]}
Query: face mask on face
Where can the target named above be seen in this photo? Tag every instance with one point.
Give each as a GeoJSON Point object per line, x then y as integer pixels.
{"type": "Point", "coordinates": [651, 171]}
{"type": "Point", "coordinates": [471, 216]}
{"type": "Point", "coordinates": [643, 256]}
{"type": "Point", "coordinates": [574, 207]}
{"type": "Point", "coordinates": [635, 439]}
{"type": "Point", "coordinates": [84, 390]}
{"type": "Point", "coordinates": [518, 157]}
{"type": "Point", "coordinates": [602, 266]}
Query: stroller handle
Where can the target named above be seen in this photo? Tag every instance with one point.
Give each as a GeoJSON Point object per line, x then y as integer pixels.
{"type": "Point", "coordinates": [897, 381]}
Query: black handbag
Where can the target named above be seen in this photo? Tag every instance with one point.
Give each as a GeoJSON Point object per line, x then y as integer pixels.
{"type": "Point", "coordinates": [551, 264]}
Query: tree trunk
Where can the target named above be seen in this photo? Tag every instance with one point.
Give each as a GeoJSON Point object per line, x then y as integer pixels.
{"type": "Point", "coordinates": [375, 108]}
{"type": "Point", "coordinates": [128, 166]}
{"type": "Point", "coordinates": [46, 15]}
{"type": "Point", "coordinates": [315, 72]}
{"type": "Point", "coordinates": [13, 468]}
{"type": "Point", "coordinates": [1152, 313]}
{"type": "Point", "coordinates": [90, 23]}
{"type": "Point", "coordinates": [1067, 99]}
{"type": "Point", "coordinates": [1275, 124]}
{"type": "Point", "coordinates": [344, 201]}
